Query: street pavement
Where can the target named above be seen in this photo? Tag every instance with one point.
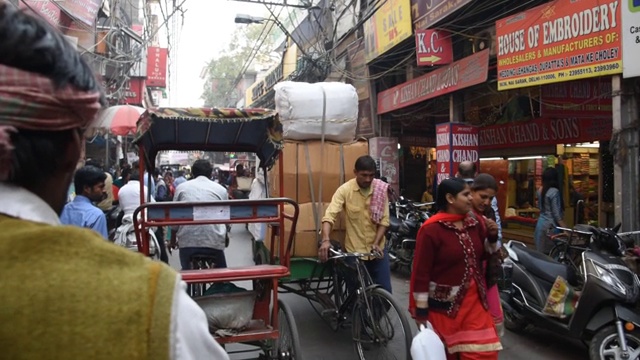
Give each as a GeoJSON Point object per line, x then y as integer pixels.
{"type": "Point", "coordinates": [319, 342]}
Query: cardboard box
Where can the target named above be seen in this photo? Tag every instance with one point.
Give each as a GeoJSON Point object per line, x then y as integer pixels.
{"type": "Point", "coordinates": [333, 163]}
{"type": "Point", "coordinates": [305, 243]}
{"type": "Point", "coordinates": [290, 158]}
{"type": "Point", "coordinates": [306, 219]}
{"type": "Point", "coordinates": [321, 164]}
{"type": "Point", "coordinates": [350, 153]}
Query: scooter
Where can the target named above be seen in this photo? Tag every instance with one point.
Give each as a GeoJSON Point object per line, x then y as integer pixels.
{"type": "Point", "coordinates": [403, 230]}
{"type": "Point", "coordinates": [606, 315]}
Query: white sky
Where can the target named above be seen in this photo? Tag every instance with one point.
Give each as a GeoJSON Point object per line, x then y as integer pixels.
{"type": "Point", "coordinates": [207, 27]}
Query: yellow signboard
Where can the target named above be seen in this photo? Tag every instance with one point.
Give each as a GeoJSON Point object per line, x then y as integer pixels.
{"type": "Point", "coordinates": [390, 25]}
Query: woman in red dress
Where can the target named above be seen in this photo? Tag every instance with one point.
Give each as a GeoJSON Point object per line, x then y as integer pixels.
{"type": "Point", "coordinates": [448, 283]}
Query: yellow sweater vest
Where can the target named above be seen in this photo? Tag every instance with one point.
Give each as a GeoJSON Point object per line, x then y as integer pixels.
{"type": "Point", "coordinates": [66, 293]}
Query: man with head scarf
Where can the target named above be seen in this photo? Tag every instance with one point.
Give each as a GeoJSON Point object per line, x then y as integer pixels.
{"type": "Point", "coordinates": [87, 298]}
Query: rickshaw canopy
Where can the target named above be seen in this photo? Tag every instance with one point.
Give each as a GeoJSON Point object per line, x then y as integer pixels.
{"type": "Point", "coordinates": [210, 129]}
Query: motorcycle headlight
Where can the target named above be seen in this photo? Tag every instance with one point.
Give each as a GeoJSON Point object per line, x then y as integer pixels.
{"type": "Point", "coordinates": [610, 278]}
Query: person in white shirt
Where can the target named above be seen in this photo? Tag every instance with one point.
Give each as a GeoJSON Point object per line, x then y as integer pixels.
{"type": "Point", "coordinates": [129, 198]}
{"type": "Point", "coordinates": [201, 240]}
{"type": "Point", "coordinates": [48, 96]}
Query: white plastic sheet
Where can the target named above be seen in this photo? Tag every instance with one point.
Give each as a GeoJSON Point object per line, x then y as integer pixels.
{"type": "Point", "coordinates": [427, 345]}
{"type": "Point", "coordinates": [300, 106]}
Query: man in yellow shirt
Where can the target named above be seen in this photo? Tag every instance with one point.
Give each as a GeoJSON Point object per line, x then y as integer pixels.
{"type": "Point", "coordinates": [366, 205]}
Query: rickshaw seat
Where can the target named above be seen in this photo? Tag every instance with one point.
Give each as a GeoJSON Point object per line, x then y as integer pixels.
{"type": "Point", "coordinates": [235, 273]}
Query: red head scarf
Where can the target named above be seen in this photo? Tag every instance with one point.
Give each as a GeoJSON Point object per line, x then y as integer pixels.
{"type": "Point", "coordinates": [30, 101]}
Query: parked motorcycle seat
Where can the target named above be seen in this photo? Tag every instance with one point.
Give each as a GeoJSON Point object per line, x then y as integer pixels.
{"type": "Point", "coordinates": [541, 265]}
{"type": "Point", "coordinates": [394, 224]}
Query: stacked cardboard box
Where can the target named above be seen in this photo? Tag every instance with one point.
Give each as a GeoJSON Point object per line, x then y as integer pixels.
{"type": "Point", "coordinates": [312, 173]}
{"type": "Point", "coordinates": [306, 235]}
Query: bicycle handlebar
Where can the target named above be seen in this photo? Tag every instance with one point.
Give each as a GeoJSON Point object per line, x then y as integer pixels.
{"type": "Point", "coordinates": [337, 254]}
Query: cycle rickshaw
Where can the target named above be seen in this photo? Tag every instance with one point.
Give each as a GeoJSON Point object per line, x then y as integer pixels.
{"type": "Point", "coordinates": [267, 322]}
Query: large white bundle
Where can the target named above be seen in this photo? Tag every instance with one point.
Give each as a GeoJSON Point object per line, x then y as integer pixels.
{"type": "Point", "coordinates": [300, 106]}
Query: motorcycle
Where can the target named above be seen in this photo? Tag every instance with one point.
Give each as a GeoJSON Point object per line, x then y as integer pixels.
{"type": "Point", "coordinates": [605, 314]}
{"type": "Point", "coordinates": [405, 221]}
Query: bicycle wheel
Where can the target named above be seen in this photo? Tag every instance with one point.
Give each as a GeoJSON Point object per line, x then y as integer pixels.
{"type": "Point", "coordinates": [558, 252]}
{"type": "Point", "coordinates": [287, 346]}
{"type": "Point", "coordinates": [381, 330]}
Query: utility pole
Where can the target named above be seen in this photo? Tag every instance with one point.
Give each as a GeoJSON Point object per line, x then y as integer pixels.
{"type": "Point", "coordinates": [626, 160]}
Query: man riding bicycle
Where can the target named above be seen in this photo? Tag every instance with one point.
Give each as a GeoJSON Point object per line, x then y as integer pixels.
{"type": "Point", "coordinates": [365, 201]}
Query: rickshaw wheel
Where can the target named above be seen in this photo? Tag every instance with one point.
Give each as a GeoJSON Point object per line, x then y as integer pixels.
{"type": "Point", "coordinates": [287, 346]}
{"type": "Point", "coordinates": [260, 253]}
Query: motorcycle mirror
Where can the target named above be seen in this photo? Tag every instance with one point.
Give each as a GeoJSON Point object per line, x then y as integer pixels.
{"type": "Point", "coordinates": [617, 227]}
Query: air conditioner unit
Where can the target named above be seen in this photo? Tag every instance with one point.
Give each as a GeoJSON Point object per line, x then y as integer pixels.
{"type": "Point", "coordinates": [485, 39]}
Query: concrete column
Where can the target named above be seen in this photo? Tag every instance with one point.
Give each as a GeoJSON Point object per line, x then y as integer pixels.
{"type": "Point", "coordinates": [456, 107]}
{"type": "Point", "coordinates": [626, 160]}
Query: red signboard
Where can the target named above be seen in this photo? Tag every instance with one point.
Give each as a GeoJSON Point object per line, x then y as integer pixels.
{"type": "Point", "coordinates": [427, 13]}
{"type": "Point", "coordinates": [133, 91]}
{"type": "Point", "coordinates": [443, 151]}
{"type": "Point", "coordinates": [467, 72]}
{"type": "Point", "coordinates": [545, 131]}
{"type": "Point", "coordinates": [84, 11]}
{"type": "Point", "coordinates": [157, 67]}
{"type": "Point", "coordinates": [580, 98]}
{"type": "Point", "coordinates": [384, 150]}
{"type": "Point", "coordinates": [433, 47]}
{"type": "Point", "coordinates": [455, 143]}
{"type": "Point", "coordinates": [559, 41]}
{"type": "Point", "coordinates": [48, 10]}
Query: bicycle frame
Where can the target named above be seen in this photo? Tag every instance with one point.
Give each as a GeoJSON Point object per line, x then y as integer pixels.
{"type": "Point", "coordinates": [363, 283]}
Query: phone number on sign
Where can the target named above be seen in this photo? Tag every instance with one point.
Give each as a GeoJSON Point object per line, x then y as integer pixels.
{"type": "Point", "coordinates": [591, 70]}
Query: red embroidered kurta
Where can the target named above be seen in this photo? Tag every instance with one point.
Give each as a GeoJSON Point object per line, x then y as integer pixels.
{"type": "Point", "coordinates": [445, 261]}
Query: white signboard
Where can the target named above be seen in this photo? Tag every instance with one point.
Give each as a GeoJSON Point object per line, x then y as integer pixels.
{"type": "Point", "coordinates": [630, 38]}
{"type": "Point", "coordinates": [211, 213]}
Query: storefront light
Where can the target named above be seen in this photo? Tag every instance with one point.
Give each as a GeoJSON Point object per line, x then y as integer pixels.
{"type": "Point", "coordinates": [524, 158]}
{"type": "Point", "coordinates": [595, 144]}
{"type": "Point", "coordinates": [491, 158]}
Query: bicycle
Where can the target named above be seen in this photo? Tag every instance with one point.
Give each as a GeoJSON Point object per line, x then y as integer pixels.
{"type": "Point", "coordinates": [566, 251]}
{"type": "Point", "coordinates": [379, 328]}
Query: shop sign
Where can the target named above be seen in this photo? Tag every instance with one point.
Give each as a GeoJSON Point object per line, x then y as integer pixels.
{"type": "Point", "coordinates": [559, 41]}
{"type": "Point", "coordinates": [455, 143]}
{"type": "Point", "coordinates": [461, 74]}
{"type": "Point", "coordinates": [580, 98]}
{"type": "Point", "coordinates": [157, 67]}
{"type": "Point", "coordinates": [389, 26]}
{"type": "Point", "coordinates": [545, 131]}
{"type": "Point", "coordinates": [630, 38]}
{"type": "Point", "coordinates": [433, 47]}
{"type": "Point", "coordinates": [418, 141]}
{"type": "Point", "coordinates": [384, 150]}
{"type": "Point", "coordinates": [359, 70]}
{"type": "Point", "coordinates": [263, 86]}
{"type": "Point", "coordinates": [48, 11]}
{"type": "Point", "coordinates": [84, 11]}
{"type": "Point", "coordinates": [427, 13]}
{"type": "Point", "coordinates": [133, 91]}
{"type": "Point", "coordinates": [365, 126]}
